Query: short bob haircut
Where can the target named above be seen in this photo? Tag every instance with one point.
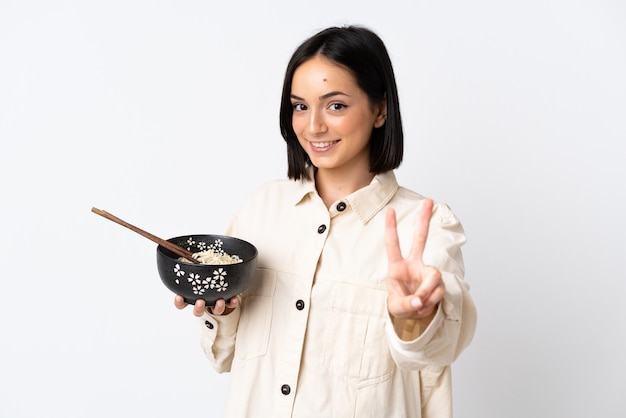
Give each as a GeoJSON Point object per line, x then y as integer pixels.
{"type": "Point", "coordinates": [364, 54]}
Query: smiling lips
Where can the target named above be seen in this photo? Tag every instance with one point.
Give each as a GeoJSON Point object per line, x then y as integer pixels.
{"type": "Point", "coordinates": [322, 146]}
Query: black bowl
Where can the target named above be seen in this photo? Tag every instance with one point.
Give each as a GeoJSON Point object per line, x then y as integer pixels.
{"type": "Point", "coordinates": [207, 281]}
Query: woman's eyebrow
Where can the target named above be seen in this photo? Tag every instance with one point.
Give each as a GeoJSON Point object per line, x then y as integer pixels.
{"type": "Point", "coordinates": [324, 96]}
{"type": "Point", "coordinates": [334, 93]}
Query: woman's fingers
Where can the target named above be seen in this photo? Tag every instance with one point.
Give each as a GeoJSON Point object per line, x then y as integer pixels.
{"type": "Point", "coordinates": [199, 307]}
{"type": "Point", "coordinates": [221, 307]}
{"type": "Point", "coordinates": [431, 289]}
{"type": "Point", "coordinates": [403, 307]}
{"type": "Point", "coordinates": [411, 306]}
{"type": "Point", "coordinates": [179, 302]}
{"type": "Point", "coordinates": [423, 300]}
{"type": "Point", "coordinates": [392, 244]}
{"type": "Point", "coordinates": [233, 302]}
{"type": "Point", "coordinates": [421, 230]}
{"type": "Point", "coordinates": [431, 279]}
{"type": "Point", "coordinates": [432, 300]}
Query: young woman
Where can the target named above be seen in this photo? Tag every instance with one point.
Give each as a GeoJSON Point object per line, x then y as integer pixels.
{"type": "Point", "coordinates": [338, 322]}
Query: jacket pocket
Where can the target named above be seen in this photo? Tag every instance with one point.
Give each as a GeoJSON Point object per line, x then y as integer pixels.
{"type": "Point", "coordinates": [355, 342]}
{"type": "Point", "coordinates": [255, 321]}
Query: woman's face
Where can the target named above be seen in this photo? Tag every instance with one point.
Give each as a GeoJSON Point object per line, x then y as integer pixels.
{"type": "Point", "coordinates": [332, 117]}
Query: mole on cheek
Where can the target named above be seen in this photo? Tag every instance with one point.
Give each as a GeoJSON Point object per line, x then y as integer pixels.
{"type": "Point", "coordinates": [324, 80]}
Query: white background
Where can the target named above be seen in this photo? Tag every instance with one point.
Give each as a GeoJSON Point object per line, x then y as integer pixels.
{"type": "Point", "coordinates": [165, 113]}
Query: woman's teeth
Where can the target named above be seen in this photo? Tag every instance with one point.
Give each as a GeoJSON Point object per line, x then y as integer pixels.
{"type": "Point", "coordinates": [323, 144]}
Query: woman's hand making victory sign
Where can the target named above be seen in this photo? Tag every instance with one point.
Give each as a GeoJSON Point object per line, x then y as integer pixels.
{"type": "Point", "coordinates": [414, 288]}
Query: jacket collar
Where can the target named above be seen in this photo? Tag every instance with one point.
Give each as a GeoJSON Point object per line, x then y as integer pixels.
{"type": "Point", "coordinates": [365, 202]}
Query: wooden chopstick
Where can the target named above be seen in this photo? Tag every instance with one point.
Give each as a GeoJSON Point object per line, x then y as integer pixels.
{"type": "Point", "coordinates": [166, 244]}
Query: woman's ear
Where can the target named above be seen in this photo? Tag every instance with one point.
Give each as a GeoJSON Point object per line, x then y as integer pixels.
{"type": "Point", "coordinates": [381, 110]}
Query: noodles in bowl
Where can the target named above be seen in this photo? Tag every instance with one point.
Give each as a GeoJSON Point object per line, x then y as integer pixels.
{"type": "Point", "coordinates": [214, 257]}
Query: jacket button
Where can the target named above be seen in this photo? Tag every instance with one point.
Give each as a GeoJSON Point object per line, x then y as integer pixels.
{"type": "Point", "coordinates": [285, 390]}
{"type": "Point", "coordinates": [321, 229]}
{"type": "Point", "coordinates": [208, 324]}
{"type": "Point", "coordinates": [299, 304]}
{"type": "Point", "coordinates": [341, 206]}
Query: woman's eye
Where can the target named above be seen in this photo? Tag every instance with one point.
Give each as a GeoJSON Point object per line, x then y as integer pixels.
{"type": "Point", "coordinates": [337, 106]}
{"type": "Point", "coordinates": [298, 107]}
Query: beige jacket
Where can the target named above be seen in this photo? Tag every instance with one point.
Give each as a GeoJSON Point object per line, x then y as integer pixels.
{"type": "Point", "coordinates": [312, 337]}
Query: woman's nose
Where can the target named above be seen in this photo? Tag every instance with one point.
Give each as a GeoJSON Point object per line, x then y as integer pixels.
{"type": "Point", "coordinates": [316, 124]}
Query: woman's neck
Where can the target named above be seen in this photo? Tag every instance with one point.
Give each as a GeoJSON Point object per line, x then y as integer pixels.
{"type": "Point", "coordinates": [333, 185]}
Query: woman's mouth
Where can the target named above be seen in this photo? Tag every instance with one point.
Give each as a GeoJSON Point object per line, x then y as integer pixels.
{"type": "Point", "coordinates": [322, 145]}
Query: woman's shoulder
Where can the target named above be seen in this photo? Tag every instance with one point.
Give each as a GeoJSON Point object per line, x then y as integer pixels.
{"type": "Point", "coordinates": [265, 203]}
{"type": "Point", "coordinates": [285, 187]}
{"type": "Point", "coordinates": [413, 201]}
{"type": "Point", "coordinates": [278, 192]}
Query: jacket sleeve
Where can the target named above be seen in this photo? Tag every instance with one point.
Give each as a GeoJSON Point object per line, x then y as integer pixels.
{"type": "Point", "coordinates": [454, 323]}
{"type": "Point", "coordinates": [218, 332]}
{"type": "Point", "coordinates": [218, 339]}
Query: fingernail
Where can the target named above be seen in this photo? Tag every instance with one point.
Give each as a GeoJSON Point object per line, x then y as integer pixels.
{"type": "Point", "coordinates": [416, 303]}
